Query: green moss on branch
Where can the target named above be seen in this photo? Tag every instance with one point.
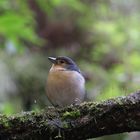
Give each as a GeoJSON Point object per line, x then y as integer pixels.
{"type": "Point", "coordinates": [87, 120]}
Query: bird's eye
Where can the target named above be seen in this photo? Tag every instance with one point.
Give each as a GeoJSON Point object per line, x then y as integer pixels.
{"type": "Point", "coordinates": [61, 61]}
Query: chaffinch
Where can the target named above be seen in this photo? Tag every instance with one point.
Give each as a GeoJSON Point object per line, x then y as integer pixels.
{"type": "Point", "coordinates": [65, 83]}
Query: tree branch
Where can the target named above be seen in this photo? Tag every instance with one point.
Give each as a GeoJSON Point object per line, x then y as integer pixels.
{"type": "Point", "coordinates": [88, 120]}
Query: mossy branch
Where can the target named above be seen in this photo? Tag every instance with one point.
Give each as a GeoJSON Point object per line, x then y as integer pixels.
{"type": "Point", "coordinates": [88, 120]}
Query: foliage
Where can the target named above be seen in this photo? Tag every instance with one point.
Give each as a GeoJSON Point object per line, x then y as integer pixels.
{"type": "Point", "coordinates": [17, 23]}
{"type": "Point", "coordinates": [101, 36]}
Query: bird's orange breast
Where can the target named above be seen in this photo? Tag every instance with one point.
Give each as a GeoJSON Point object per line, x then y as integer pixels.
{"type": "Point", "coordinates": [64, 87]}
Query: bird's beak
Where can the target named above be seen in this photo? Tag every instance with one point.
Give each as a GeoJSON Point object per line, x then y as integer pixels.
{"type": "Point", "coordinates": [52, 59]}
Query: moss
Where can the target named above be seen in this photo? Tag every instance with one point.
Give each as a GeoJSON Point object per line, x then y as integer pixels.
{"type": "Point", "coordinates": [65, 124]}
{"type": "Point", "coordinates": [119, 100]}
{"type": "Point", "coordinates": [26, 116]}
{"type": "Point", "coordinates": [71, 115]}
{"type": "Point", "coordinates": [4, 121]}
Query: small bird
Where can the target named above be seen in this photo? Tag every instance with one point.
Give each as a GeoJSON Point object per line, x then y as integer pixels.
{"type": "Point", "coordinates": [65, 83]}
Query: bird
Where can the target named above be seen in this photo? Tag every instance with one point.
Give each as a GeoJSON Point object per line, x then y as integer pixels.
{"type": "Point", "coordinates": [65, 83]}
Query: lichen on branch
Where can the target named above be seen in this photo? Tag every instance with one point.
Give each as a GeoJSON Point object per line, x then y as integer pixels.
{"type": "Point", "coordinates": [87, 120]}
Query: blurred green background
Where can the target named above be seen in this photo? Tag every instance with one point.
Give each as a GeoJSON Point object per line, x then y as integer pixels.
{"type": "Point", "coordinates": [103, 37]}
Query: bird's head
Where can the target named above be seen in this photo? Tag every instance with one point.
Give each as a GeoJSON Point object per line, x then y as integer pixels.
{"type": "Point", "coordinates": [63, 63]}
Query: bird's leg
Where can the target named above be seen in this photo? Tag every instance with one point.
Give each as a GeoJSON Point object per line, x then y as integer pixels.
{"type": "Point", "coordinates": [57, 121]}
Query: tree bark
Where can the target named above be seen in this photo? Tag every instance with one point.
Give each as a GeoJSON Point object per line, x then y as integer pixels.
{"type": "Point", "coordinates": [87, 120]}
